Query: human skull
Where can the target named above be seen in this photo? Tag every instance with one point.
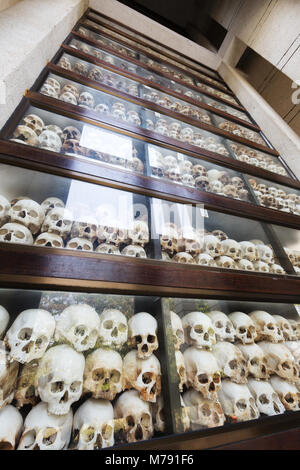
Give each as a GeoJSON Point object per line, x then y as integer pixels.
{"type": "Point", "coordinates": [225, 262]}
{"type": "Point", "coordinates": [34, 122]}
{"type": "Point", "coordinates": [49, 240]}
{"type": "Point", "coordinates": [169, 238]}
{"type": "Point", "coordinates": [288, 393]}
{"type": "Point", "coordinates": [220, 235]}
{"type": "Point", "coordinates": [4, 210]}
{"type": "Point", "coordinates": [78, 325]}
{"type": "Point", "coordinates": [58, 221]}
{"type": "Point", "coordinates": [267, 400]}
{"type": "Point", "coordinates": [30, 334]}
{"type": "Point", "coordinates": [93, 426]}
{"type": "Point", "coordinates": [44, 431]}
{"type": "Point", "coordinates": [181, 372]}
{"type": "Point", "coordinates": [203, 412]}
{"type": "Point", "coordinates": [65, 63]}
{"type": "Point", "coordinates": [137, 415]}
{"type": "Point", "coordinates": [25, 393]}
{"type": "Point", "coordinates": [245, 330]}
{"type": "Point", "coordinates": [143, 375]}
{"type": "Point", "coordinates": [198, 330]}
{"type": "Point", "coordinates": [142, 334]}
{"type": "Point", "coordinates": [68, 97]}
{"type": "Point", "coordinates": [11, 423]}
{"type": "Point", "coordinates": [113, 329]}
{"type": "Point", "coordinates": [158, 417]}
{"type": "Point", "coordinates": [280, 361]}
{"type": "Point", "coordinates": [86, 100]}
{"type": "Point", "coordinates": [189, 241]}
{"type": "Point", "coordinates": [231, 362]}
{"type": "Point", "coordinates": [139, 234]}
{"type": "Point", "coordinates": [49, 140]}
{"type": "Point", "coordinates": [28, 213]}
{"type": "Point", "coordinates": [232, 249]}
{"type": "Point", "coordinates": [249, 251]}
{"type": "Point", "coordinates": [103, 374]}
{"type": "Point", "coordinates": [109, 231]}
{"type": "Point", "coordinates": [60, 378]}
{"type": "Point", "coordinates": [107, 248]}
{"type": "Point", "coordinates": [4, 320]}
{"type": "Point", "coordinates": [222, 325]}
{"type": "Point", "coordinates": [296, 328]}
{"type": "Point", "coordinates": [212, 246]}
{"type": "Point", "coordinates": [53, 83]}
{"type": "Point", "coordinates": [81, 244]}
{"type": "Point", "coordinates": [177, 330]}
{"type": "Point", "coordinates": [16, 233]}
{"type": "Point", "coordinates": [85, 227]}
{"type": "Point", "coordinates": [71, 133]}
{"type": "Point", "coordinates": [266, 327]}
{"type": "Point", "coordinates": [261, 267]}
{"type": "Point", "coordinates": [184, 258]}
{"type": "Point", "coordinates": [25, 135]}
{"type": "Point", "coordinates": [204, 260]}
{"type": "Point", "coordinates": [265, 254]}
{"type": "Point", "coordinates": [237, 401]}
{"type": "Point", "coordinates": [257, 362]}
{"type": "Point", "coordinates": [202, 371]}
{"type": "Point", "coordinates": [8, 376]}
{"type": "Point", "coordinates": [285, 327]}
{"type": "Point", "coordinates": [52, 203]}
{"type": "Point", "coordinates": [245, 265]}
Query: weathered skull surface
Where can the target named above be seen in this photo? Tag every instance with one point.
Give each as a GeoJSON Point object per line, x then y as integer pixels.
{"type": "Point", "coordinates": [136, 413]}
{"type": "Point", "coordinates": [285, 327]}
{"type": "Point", "coordinates": [177, 330]}
{"type": "Point", "coordinates": [25, 135]}
{"type": "Point", "coordinates": [245, 330]}
{"type": "Point", "coordinates": [81, 244]}
{"type": "Point", "coordinates": [4, 209]}
{"type": "Point", "coordinates": [11, 423]}
{"type": "Point", "coordinates": [86, 100]}
{"type": "Point", "coordinates": [287, 392]}
{"type": "Point", "coordinates": [143, 375]}
{"type": "Point", "coordinates": [257, 363]}
{"type": "Point", "coordinates": [28, 213]}
{"type": "Point", "coordinates": [158, 417]}
{"type": "Point", "coordinates": [52, 203]}
{"type": "Point", "coordinates": [280, 361]}
{"type": "Point", "coordinates": [267, 400]}
{"type": "Point", "coordinates": [204, 260]}
{"type": "Point", "coordinates": [54, 84]}
{"type": "Point", "coordinates": [231, 362]}
{"type": "Point", "coordinates": [249, 251]}
{"type": "Point", "coordinates": [60, 378]}
{"type": "Point", "coordinates": [49, 140]}
{"type": "Point", "coordinates": [109, 231]}
{"type": "Point", "coordinates": [4, 320]}
{"type": "Point", "coordinates": [202, 411]}
{"type": "Point", "coordinates": [30, 335]}
{"type": "Point", "coordinates": [34, 122]}
{"type": "Point", "coordinates": [169, 238]}
{"type": "Point", "coordinates": [237, 401]}
{"type": "Point", "coordinates": [212, 246]}
{"type": "Point", "coordinates": [93, 427]}
{"type": "Point", "coordinates": [68, 97]}
{"type": "Point", "coordinates": [103, 374]}
{"type": "Point", "coordinates": [49, 240]}
{"type": "Point", "coordinates": [16, 233]}
{"type": "Point", "coordinates": [232, 249]}
{"type": "Point", "coordinates": [139, 234]}
{"type": "Point", "coordinates": [58, 221]}
{"type": "Point", "coordinates": [203, 372]}
{"type": "Point", "coordinates": [198, 330]}
{"type": "Point", "coordinates": [226, 262]}
{"type": "Point", "coordinates": [8, 377]}
{"type": "Point", "coordinates": [71, 132]}
{"type": "Point", "coordinates": [108, 249]}
{"type": "Point", "coordinates": [184, 258]}
{"type": "Point", "coordinates": [78, 325]}
{"type": "Point", "coordinates": [181, 372]}
{"type": "Point", "coordinates": [113, 329]}
{"type": "Point", "coordinates": [25, 393]}
{"type": "Point", "coordinates": [266, 327]}
{"type": "Point", "coordinates": [85, 227]}
{"type": "Point", "coordinates": [142, 334]}
{"type": "Point", "coordinates": [45, 431]}
{"type": "Point", "coordinates": [222, 325]}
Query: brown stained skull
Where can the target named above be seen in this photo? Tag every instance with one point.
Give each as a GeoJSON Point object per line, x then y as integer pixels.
{"type": "Point", "coordinates": [73, 147]}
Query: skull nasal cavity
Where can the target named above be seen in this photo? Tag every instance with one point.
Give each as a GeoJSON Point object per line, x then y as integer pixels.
{"type": "Point", "coordinates": [147, 377]}
{"type": "Point", "coordinates": [233, 364]}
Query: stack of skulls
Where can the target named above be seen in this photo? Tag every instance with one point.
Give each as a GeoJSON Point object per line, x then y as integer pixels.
{"type": "Point", "coordinates": [216, 249]}
{"type": "Point", "coordinates": [196, 175]}
{"type": "Point", "coordinates": [238, 366]}
{"type": "Point", "coordinates": [100, 367]}
{"type": "Point", "coordinates": [276, 198]}
{"type": "Point", "coordinates": [50, 224]}
{"type": "Point", "coordinates": [163, 68]}
{"type": "Point", "coordinates": [294, 257]}
{"type": "Point", "coordinates": [218, 93]}
{"type": "Point", "coordinates": [33, 131]}
{"type": "Point", "coordinates": [106, 42]}
{"type": "Point", "coordinates": [256, 158]}
{"type": "Point", "coordinates": [232, 111]}
{"type": "Point", "coordinates": [241, 132]}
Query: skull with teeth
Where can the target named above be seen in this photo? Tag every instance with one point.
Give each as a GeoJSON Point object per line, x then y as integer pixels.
{"type": "Point", "coordinates": [202, 371]}
{"type": "Point", "coordinates": [86, 100]}
{"type": "Point", "coordinates": [28, 213]}
{"type": "Point", "coordinates": [71, 133]}
{"type": "Point", "coordinates": [58, 221]}
{"type": "Point", "coordinates": [169, 238]}
{"type": "Point", "coordinates": [142, 334]}
{"type": "Point", "coordinates": [212, 246]}
{"type": "Point", "coordinates": [144, 375]}
{"type": "Point", "coordinates": [266, 327]}
{"type": "Point", "coordinates": [245, 330]}
{"type": "Point", "coordinates": [249, 251]}
{"type": "Point", "coordinates": [232, 249]}
{"type": "Point", "coordinates": [113, 329]}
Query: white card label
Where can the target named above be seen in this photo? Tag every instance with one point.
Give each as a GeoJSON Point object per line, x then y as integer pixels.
{"type": "Point", "coordinates": [106, 142]}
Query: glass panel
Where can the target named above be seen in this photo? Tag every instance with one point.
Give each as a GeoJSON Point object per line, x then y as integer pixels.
{"type": "Point", "coordinates": [238, 130]}
{"type": "Point", "coordinates": [257, 158]}
{"type": "Point", "coordinates": [290, 240]}
{"type": "Point", "coordinates": [276, 196]}
{"type": "Point", "coordinates": [226, 109]}
{"type": "Point", "coordinates": [225, 372]}
{"type": "Point", "coordinates": [87, 371]}
{"type": "Point", "coordinates": [217, 93]}
{"type": "Point", "coordinates": [212, 239]}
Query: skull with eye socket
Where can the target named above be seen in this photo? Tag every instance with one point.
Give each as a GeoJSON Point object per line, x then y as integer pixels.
{"type": "Point", "coordinates": [113, 329]}
{"type": "Point", "coordinates": [142, 334]}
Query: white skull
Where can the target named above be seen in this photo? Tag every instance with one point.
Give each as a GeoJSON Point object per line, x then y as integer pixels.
{"type": "Point", "coordinates": [257, 362]}
{"type": "Point", "coordinates": [52, 203]}
{"type": "Point", "coordinates": [222, 325]}
{"type": "Point", "coordinates": [169, 238]}
{"type": "Point", "coordinates": [294, 347]}
{"type": "Point", "coordinates": [184, 258]}
{"type": "Point", "coordinates": [280, 361]}
{"type": "Point", "coordinates": [296, 328]}
{"type": "Point", "coordinates": [276, 269]}
{"type": "Point", "coordinates": [231, 362]}
{"type": "Point", "coordinates": [181, 372]}
{"type": "Point", "coordinates": [4, 210]}
{"type": "Point", "coordinates": [202, 371]}
{"type": "Point", "coordinates": [11, 423]}
{"type": "Point", "coordinates": [54, 84]}
{"type": "Point", "coordinates": [285, 327]}
{"type": "Point", "coordinates": [34, 122]}
{"type": "Point", "coordinates": [287, 392]}
{"type": "Point", "coordinates": [212, 246]}
{"type": "Point", "coordinates": [245, 330]}
{"type": "Point", "coordinates": [108, 249]}
{"type": "Point", "coordinates": [86, 100]}
{"type": "Point", "coordinates": [68, 97]}
{"type": "Point", "coordinates": [4, 320]}
{"type": "Point", "coordinates": [80, 244]}
{"type": "Point", "coordinates": [60, 378]}
{"type": "Point", "coordinates": [28, 213]}
{"type": "Point", "coordinates": [49, 140]}
{"type": "Point", "coordinates": [110, 232]}
{"type": "Point", "coordinates": [204, 260]}
{"type": "Point", "coordinates": [30, 335]}
{"type": "Point", "coordinates": [232, 249]}
{"type": "Point", "coordinates": [78, 325]}
{"type": "Point", "coordinates": [266, 327]}
{"type": "Point", "coordinates": [203, 412]}
{"type": "Point", "coordinates": [16, 233]}
{"type": "Point", "coordinates": [103, 374]}
{"type": "Point", "coordinates": [261, 267]}
{"type": "Point", "coordinates": [267, 400]}
{"type": "Point", "coordinates": [113, 329]}
{"type": "Point", "coordinates": [157, 410]}
{"type": "Point", "coordinates": [143, 375]}
{"type": "Point", "coordinates": [142, 334]}
{"type": "Point", "coordinates": [93, 427]}
{"type": "Point", "coordinates": [249, 251]}
{"type": "Point", "coordinates": [245, 265]}
{"type": "Point", "coordinates": [237, 401]}
{"type": "Point", "coordinates": [58, 221]}
{"type": "Point", "coordinates": [85, 227]}
{"type": "Point", "coordinates": [50, 240]}
{"type": "Point", "coordinates": [139, 234]}
{"type": "Point", "coordinates": [265, 254]}
{"type": "Point", "coordinates": [45, 431]}
{"type": "Point", "coordinates": [226, 262]}
{"type": "Point", "coordinates": [25, 393]}
{"type": "Point", "coordinates": [177, 330]}
{"type": "Point", "coordinates": [189, 241]}
{"type": "Point", "coordinates": [8, 377]}
{"type": "Point", "coordinates": [198, 330]}
{"type": "Point", "coordinates": [136, 412]}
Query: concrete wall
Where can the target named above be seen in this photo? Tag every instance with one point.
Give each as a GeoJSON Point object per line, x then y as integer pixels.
{"type": "Point", "coordinates": [7, 4]}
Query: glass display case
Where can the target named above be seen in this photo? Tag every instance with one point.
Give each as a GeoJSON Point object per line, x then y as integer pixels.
{"type": "Point", "coordinates": [150, 239]}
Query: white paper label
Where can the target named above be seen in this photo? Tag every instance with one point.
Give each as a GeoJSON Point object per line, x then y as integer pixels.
{"type": "Point", "coordinates": [106, 142]}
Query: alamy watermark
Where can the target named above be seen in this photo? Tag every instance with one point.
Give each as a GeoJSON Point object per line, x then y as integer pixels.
{"type": "Point", "coordinates": [296, 93]}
